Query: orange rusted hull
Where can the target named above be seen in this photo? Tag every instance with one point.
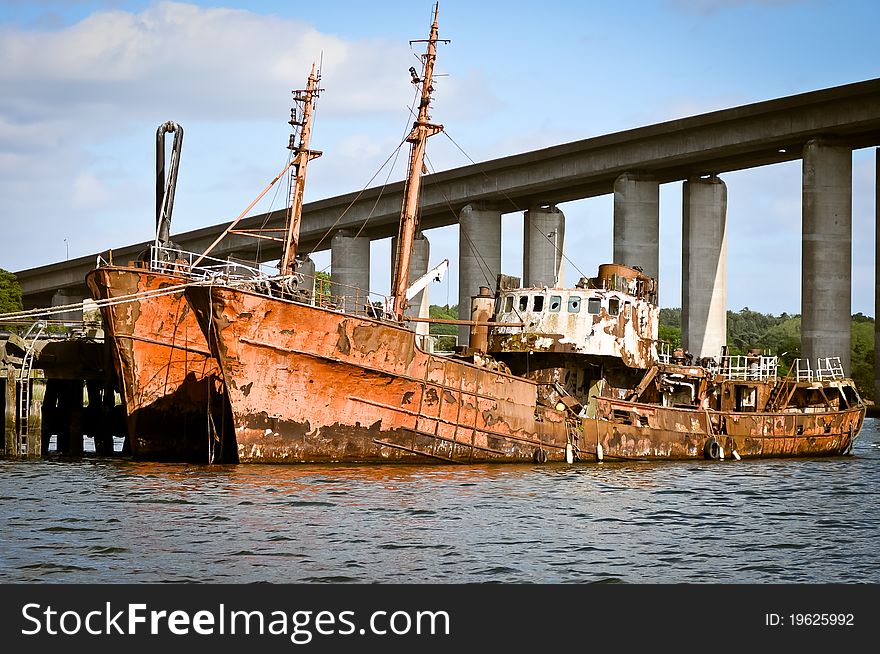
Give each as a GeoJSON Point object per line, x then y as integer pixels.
{"type": "Point", "coordinates": [171, 384]}
{"type": "Point", "coordinates": [309, 384]}
{"type": "Point", "coordinates": [630, 430]}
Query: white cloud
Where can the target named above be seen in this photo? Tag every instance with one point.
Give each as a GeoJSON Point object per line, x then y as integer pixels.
{"type": "Point", "coordinates": [81, 103]}
{"type": "Point", "coordinates": [211, 63]}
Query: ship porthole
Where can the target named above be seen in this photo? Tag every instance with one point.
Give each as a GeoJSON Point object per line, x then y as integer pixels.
{"type": "Point", "coordinates": [540, 455]}
{"type": "Point", "coordinates": [712, 449]}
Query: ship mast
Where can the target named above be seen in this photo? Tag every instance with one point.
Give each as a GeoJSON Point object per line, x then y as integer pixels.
{"type": "Point", "coordinates": [409, 218]}
{"type": "Point", "coordinates": [301, 157]}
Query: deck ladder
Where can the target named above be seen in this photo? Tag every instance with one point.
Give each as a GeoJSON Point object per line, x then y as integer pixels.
{"type": "Point", "coordinates": [24, 384]}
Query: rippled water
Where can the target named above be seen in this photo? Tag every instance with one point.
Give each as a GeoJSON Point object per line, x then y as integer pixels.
{"type": "Point", "coordinates": [766, 521]}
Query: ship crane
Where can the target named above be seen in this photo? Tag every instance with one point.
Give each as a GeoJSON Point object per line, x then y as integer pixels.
{"type": "Point", "coordinates": [436, 274]}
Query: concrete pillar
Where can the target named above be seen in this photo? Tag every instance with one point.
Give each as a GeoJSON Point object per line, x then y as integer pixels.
{"type": "Point", "coordinates": [479, 258]}
{"type": "Point", "coordinates": [305, 266]}
{"type": "Point", "coordinates": [63, 297]}
{"type": "Point", "coordinates": [826, 253]}
{"type": "Point", "coordinates": [637, 222]}
{"type": "Point", "coordinates": [418, 266]}
{"type": "Point", "coordinates": [350, 270]}
{"type": "Point", "coordinates": [704, 267]}
{"type": "Point", "coordinates": [543, 244]}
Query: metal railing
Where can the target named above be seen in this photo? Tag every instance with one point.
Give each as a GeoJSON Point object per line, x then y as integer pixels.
{"type": "Point", "coordinates": [827, 368]}
{"type": "Point", "coordinates": [311, 289]}
{"type": "Point", "coordinates": [174, 261]}
{"type": "Point", "coordinates": [758, 368]}
{"type": "Point", "coordinates": [761, 367]}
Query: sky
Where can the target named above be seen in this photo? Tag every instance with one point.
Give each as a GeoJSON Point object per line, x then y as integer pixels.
{"type": "Point", "coordinates": [84, 84]}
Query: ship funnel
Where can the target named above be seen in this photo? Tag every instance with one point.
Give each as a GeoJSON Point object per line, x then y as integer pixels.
{"type": "Point", "coordinates": [482, 307]}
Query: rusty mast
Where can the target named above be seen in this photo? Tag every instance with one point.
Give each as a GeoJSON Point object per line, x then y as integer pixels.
{"type": "Point", "coordinates": [301, 157]}
{"type": "Point", "coordinates": [422, 129]}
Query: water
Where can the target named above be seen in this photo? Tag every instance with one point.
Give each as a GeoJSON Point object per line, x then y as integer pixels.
{"type": "Point", "coordinates": [113, 520]}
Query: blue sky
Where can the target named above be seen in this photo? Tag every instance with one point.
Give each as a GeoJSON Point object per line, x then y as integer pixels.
{"type": "Point", "coordinates": [84, 85]}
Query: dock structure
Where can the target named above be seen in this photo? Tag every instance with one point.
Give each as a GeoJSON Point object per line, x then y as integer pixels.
{"type": "Point", "coordinates": [57, 380]}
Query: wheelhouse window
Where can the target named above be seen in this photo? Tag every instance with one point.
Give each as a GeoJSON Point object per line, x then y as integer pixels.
{"type": "Point", "coordinates": [555, 303]}
{"type": "Point", "coordinates": [508, 304]}
{"type": "Point", "coordinates": [523, 302]}
{"type": "Point", "coordinates": [613, 306]}
{"type": "Point", "coordinates": [594, 304]}
{"type": "Point", "coordinates": [574, 304]}
{"type": "Point", "coordinates": [538, 303]}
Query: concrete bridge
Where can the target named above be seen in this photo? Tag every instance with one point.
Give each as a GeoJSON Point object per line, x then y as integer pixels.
{"type": "Point", "coordinates": [821, 127]}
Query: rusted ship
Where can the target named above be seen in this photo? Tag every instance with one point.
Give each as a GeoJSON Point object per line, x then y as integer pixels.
{"type": "Point", "coordinates": [597, 344]}
{"type": "Point", "coordinates": [172, 386]}
{"type": "Point", "coordinates": [166, 373]}
{"type": "Point", "coordinates": [550, 374]}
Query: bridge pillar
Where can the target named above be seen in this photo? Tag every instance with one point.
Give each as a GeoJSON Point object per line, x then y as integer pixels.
{"type": "Point", "coordinates": [704, 267]}
{"type": "Point", "coordinates": [350, 270]}
{"type": "Point", "coordinates": [543, 244]}
{"type": "Point", "coordinates": [63, 297]}
{"type": "Point", "coordinates": [479, 257]}
{"type": "Point", "coordinates": [637, 222]}
{"type": "Point", "coordinates": [418, 266]}
{"type": "Point", "coordinates": [826, 252]}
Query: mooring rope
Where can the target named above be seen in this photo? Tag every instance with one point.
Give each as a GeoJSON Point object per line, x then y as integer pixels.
{"type": "Point", "coordinates": [30, 314]}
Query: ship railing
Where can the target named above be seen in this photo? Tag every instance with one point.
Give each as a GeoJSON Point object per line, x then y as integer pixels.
{"type": "Point", "coordinates": [827, 368]}
{"type": "Point", "coordinates": [755, 368]}
{"type": "Point", "coordinates": [802, 370]}
{"type": "Point", "coordinates": [177, 261]}
{"type": "Point", "coordinates": [313, 289]}
{"type": "Point", "coordinates": [329, 294]}
{"type": "Point", "coordinates": [664, 352]}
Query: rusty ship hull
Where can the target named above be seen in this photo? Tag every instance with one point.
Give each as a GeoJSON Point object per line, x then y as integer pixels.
{"type": "Point", "coordinates": [171, 385]}
{"type": "Point", "coordinates": [632, 430]}
{"type": "Point", "coordinates": [308, 384]}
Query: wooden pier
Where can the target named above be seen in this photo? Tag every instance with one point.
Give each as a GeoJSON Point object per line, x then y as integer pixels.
{"type": "Point", "coordinates": [58, 383]}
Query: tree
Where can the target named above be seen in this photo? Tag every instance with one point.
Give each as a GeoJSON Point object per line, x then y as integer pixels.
{"type": "Point", "coordinates": [10, 292]}
{"type": "Point", "coordinates": [446, 334]}
{"type": "Point", "coordinates": [322, 288]}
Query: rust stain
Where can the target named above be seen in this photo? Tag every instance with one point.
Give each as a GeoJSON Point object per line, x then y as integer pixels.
{"type": "Point", "coordinates": [342, 344]}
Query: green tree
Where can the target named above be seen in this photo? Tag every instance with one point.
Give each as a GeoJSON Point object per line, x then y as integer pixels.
{"type": "Point", "coordinates": [862, 354]}
{"type": "Point", "coordinates": [670, 318]}
{"type": "Point", "coordinates": [322, 288]}
{"type": "Point", "coordinates": [671, 335]}
{"type": "Point", "coordinates": [446, 334]}
{"type": "Point", "coordinates": [10, 292]}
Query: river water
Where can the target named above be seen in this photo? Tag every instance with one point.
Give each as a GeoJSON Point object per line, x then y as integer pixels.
{"type": "Point", "coordinates": [115, 520]}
